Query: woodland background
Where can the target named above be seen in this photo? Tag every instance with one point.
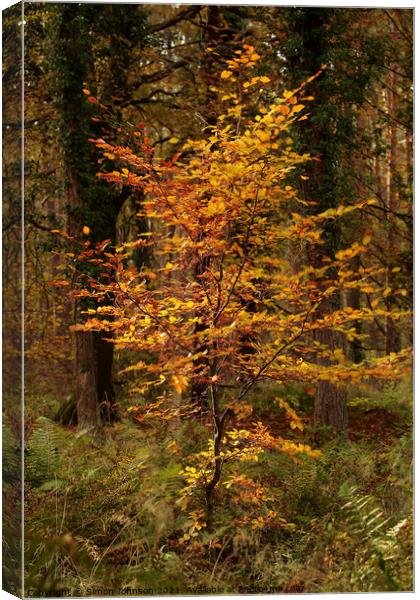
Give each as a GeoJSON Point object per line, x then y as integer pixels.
{"type": "Point", "coordinates": [102, 483]}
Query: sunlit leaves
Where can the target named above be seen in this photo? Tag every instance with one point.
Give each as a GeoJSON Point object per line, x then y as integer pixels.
{"type": "Point", "coordinates": [229, 300]}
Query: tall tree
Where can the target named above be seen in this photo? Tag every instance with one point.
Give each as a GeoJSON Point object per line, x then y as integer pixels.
{"type": "Point", "coordinates": [314, 40]}
{"type": "Point", "coordinates": [92, 207]}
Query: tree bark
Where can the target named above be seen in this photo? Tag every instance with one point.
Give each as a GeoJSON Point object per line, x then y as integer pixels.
{"type": "Point", "coordinates": [314, 27]}
{"type": "Point", "coordinates": [392, 335]}
{"type": "Point", "coordinates": [104, 358]}
{"type": "Point", "coordinates": [90, 202]}
{"type": "Point", "coordinates": [330, 400]}
{"type": "Point", "coordinates": [86, 381]}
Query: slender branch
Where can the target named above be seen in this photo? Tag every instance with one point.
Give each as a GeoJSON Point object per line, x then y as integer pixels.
{"type": "Point", "coordinates": [398, 28]}
{"type": "Point", "coordinates": [242, 265]}
{"type": "Point", "coordinates": [261, 370]}
{"type": "Point", "coordinates": [159, 75]}
{"type": "Point", "coordinates": [184, 14]}
{"type": "Point", "coordinates": [144, 311]}
{"type": "Point", "coordinates": [406, 126]}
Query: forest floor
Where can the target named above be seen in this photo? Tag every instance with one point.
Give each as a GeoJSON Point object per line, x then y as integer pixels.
{"type": "Point", "coordinates": [103, 512]}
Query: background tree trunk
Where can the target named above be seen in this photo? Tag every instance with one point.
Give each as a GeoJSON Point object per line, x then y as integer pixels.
{"type": "Point", "coordinates": [314, 28]}
{"type": "Point", "coordinates": [392, 336]}
{"type": "Point", "coordinates": [91, 202]}
{"type": "Point", "coordinates": [86, 381]}
{"type": "Point", "coordinates": [330, 400]}
{"type": "Point", "coordinates": [104, 355]}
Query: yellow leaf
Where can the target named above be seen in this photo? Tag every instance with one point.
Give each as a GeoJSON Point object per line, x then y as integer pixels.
{"type": "Point", "coordinates": [215, 207]}
{"type": "Point", "coordinates": [173, 140]}
{"type": "Point", "coordinates": [263, 136]}
{"type": "Point", "coordinates": [297, 108]}
{"type": "Point", "coordinates": [179, 383]}
{"type": "Point", "coordinates": [225, 74]}
{"type": "Point", "coordinates": [283, 109]}
{"type": "Point", "coordinates": [86, 230]}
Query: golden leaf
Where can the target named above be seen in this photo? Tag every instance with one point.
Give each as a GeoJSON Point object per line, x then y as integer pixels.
{"type": "Point", "coordinates": [179, 383]}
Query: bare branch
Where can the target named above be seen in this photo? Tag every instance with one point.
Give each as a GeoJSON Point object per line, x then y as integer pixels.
{"type": "Point", "coordinates": [184, 14]}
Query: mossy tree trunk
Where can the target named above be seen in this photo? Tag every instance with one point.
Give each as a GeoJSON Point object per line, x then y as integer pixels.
{"type": "Point", "coordinates": [313, 36]}
{"type": "Point", "coordinates": [90, 203]}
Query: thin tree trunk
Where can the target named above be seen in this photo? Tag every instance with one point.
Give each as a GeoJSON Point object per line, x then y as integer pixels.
{"type": "Point", "coordinates": [353, 301]}
{"type": "Point", "coordinates": [392, 338]}
{"type": "Point", "coordinates": [224, 38]}
{"type": "Point", "coordinates": [198, 389]}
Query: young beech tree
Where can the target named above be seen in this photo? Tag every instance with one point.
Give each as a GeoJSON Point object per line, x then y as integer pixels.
{"type": "Point", "coordinates": [226, 228]}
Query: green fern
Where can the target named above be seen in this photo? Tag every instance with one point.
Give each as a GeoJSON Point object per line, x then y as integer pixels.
{"type": "Point", "coordinates": [379, 553]}
{"type": "Point", "coordinates": [11, 456]}
{"type": "Point", "coordinates": [43, 454]}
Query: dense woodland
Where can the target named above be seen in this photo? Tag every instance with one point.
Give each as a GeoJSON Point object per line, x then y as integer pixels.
{"type": "Point", "coordinates": [218, 299]}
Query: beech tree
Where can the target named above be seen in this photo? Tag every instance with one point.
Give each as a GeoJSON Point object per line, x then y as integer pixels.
{"type": "Point", "coordinates": [225, 224]}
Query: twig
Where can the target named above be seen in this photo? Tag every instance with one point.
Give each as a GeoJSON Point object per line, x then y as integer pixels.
{"type": "Point", "coordinates": [261, 370]}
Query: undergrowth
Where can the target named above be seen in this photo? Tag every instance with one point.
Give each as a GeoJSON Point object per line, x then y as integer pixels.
{"type": "Point", "coordinates": [103, 512]}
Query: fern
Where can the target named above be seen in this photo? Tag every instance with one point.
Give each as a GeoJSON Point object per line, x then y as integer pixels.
{"type": "Point", "coordinates": [378, 552]}
{"type": "Point", "coordinates": [43, 454]}
{"type": "Point", "coordinates": [11, 456]}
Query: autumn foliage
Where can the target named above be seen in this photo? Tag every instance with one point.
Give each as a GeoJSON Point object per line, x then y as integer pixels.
{"type": "Point", "coordinates": [229, 300]}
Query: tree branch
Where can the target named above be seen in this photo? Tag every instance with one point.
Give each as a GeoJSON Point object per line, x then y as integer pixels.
{"type": "Point", "coordinates": [184, 14]}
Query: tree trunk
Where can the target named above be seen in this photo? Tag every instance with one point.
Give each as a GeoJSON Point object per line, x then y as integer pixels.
{"type": "Point", "coordinates": [198, 389]}
{"type": "Point", "coordinates": [314, 28]}
{"type": "Point", "coordinates": [104, 357]}
{"type": "Point", "coordinates": [91, 202]}
{"type": "Point", "coordinates": [86, 381]}
{"type": "Point", "coordinates": [392, 337]}
{"type": "Point", "coordinates": [218, 36]}
{"type": "Point", "coordinates": [330, 400]}
{"type": "Point", "coordinates": [330, 406]}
